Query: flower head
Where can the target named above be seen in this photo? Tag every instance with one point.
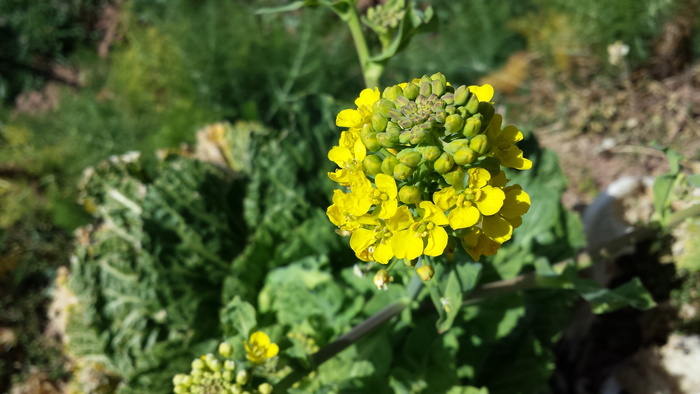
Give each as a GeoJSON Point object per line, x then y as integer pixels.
{"type": "Point", "coordinates": [259, 348]}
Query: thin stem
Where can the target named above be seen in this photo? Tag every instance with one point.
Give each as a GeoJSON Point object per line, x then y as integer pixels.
{"type": "Point", "coordinates": [371, 71]}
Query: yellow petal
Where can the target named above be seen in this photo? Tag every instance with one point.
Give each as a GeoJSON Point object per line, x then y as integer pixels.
{"type": "Point", "coordinates": [360, 240]}
{"type": "Point", "coordinates": [402, 219]}
{"type": "Point", "coordinates": [478, 177]}
{"type": "Point", "coordinates": [437, 241]}
{"type": "Point", "coordinates": [497, 228]}
{"type": "Point", "coordinates": [491, 200]}
{"type": "Point", "coordinates": [386, 184]}
{"type": "Point", "coordinates": [348, 118]}
{"type": "Point", "coordinates": [386, 209]}
{"type": "Point", "coordinates": [359, 151]}
{"type": "Point", "coordinates": [339, 155]}
{"type": "Point", "coordinates": [463, 217]}
{"type": "Point", "coordinates": [406, 244]}
{"type": "Point", "coordinates": [516, 203]}
{"type": "Point", "coordinates": [483, 93]}
{"type": "Point", "coordinates": [259, 338]}
{"type": "Point", "coordinates": [511, 134]}
{"type": "Point", "coordinates": [367, 97]}
{"type": "Point", "coordinates": [445, 198]}
{"type": "Point", "coordinates": [271, 350]}
{"type": "Point", "coordinates": [433, 214]}
{"type": "Point", "coordinates": [383, 253]}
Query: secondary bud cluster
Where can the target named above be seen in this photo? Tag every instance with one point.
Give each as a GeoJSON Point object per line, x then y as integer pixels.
{"type": "Point", "coordinates": [213, 374]}
{"type": "Point", "coordinates": [421, 162]}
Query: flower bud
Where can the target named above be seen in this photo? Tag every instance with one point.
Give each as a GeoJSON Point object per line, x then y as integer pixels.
{"type": "Point", "coordinates": [456, 145]}
{"type": "Point", "coordinates": [230, 365]}
{"type": "Point", "coordinates": [228, 376]}
{"type": "Point", "coordinates": [472, 126]}
{"type": "Point", "coordinates": [444, 163]}
{"type": "Point", "coordinates": [402, 172]}
{"type": "Point", "coordinates": [384, 140]}
{"type": "Point", "coordinates": [381, 278]}
{"type": "Point", "coordinates": [179, 389]}
{"type": "Point", "coordinates": [438, 87]}
{"type": "Point", "coordinates": [472, 104]}
{"type": "Point", "coordinates": [455, 177]}
{"type": "Point", "coordinates": [454, 123]}
{"type": "Point", "coordinates": [198, 364]}
{"type": "Point", "coordinates": [391, 92]}
{"type": "Point", "coordinates": [178, 379]}
{"type": "Point", "coordinates": [450, 109]}
{"type": "Point", "coordinates": [448, 98]}
{"type": "Point", "coordinates": [439, 77]}
{"type": "Point", "coordinates": [214, 365]}
{"type": "Point", "coordinates": [370, 141]}
{"type": "Point", "coordinates": [242, 377]}
{"type": "Point", "coordinates": [225, 349]}
{"type": "Point", "coordinates": [409, 194]}
{"type": "Point", "coordinates": [461, 95]}
{"type": "Point", "coordinates": [405, 137]}
{"type": "Point", "coordinates": [479, 144]}
{"type": "Point", "coordinates": [431, 152]}
{"type": "Point", "coordinates": [425, 272]}
{"type": "Point", "coordinates": [405, 123]}
{"type": "Point", "coordinates": [388, 165]}
{"type": "Point", "coordinates": [441, 116]}
{"type": "Point", "coordinates": [464, 156]}
{"type": "Point", "coordinates": [409, 157]}
{"type": "Point", "coordinates": [379, 122]}
{"type": "Point", "coordinates": [392, 127]}
{"type": "Point", "coordinates": [265, 388]}
{"type": "Point", "coordinates": [372, 164]}
{"type": "Point", "coordinates": [425, 89]}
{"type": "Point", "coordinates": [411, 91]}
{"type": "Point", "coordinates": [401, 102]}
{"type": "Point", "coordinates": [385, 106]}
{"type": "Point", "coordinates": [418, 136]}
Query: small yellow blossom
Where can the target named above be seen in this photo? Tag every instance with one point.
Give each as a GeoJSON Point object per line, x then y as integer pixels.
{"type": "Point", "coordinates": [259, 348]}
{"type": "Point", "coordinates": [476, 243]}
{"type": "Point", "coordinates": [424, 236]}
{"type": "Point", "coordinates": [503, 146]}
{"type": "Point", "coordinates": [356, 118]}
{"type": "Point", "coordinates": [483, 93]}
{"type": "Point", "coordinates": [499, 227]}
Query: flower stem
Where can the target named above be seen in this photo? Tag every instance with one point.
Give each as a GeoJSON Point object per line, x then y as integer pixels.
{"type": "Point", "coordinates": [371, 71]}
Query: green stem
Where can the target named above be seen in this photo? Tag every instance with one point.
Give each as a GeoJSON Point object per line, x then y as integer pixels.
{"type": "Point", "coordinates": [371, 71]}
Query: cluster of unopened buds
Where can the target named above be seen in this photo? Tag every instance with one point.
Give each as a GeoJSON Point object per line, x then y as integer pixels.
{"type": "Point", "coordinates": [212, 374]}
{"type": "Point", "coordinates": [420, 164]}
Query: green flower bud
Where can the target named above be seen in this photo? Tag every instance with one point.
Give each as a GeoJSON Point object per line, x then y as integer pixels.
{"type": "Point", "coordinates": [214, 365]}
{"type": "Point", "coordinates": [438, 87]}
{"type": "Point", "coordinates": [402, 172]}
{"type": "Point", "coordinates": [439, 77]}
{"type": "Point", "coordinates": [418, 136]}
{"type": "Point", "coordinates": [444, 163]}
{"type": "Point", "coordinates": [487, 111]}
{"type": "Point", "coordinates": [370, 141]}
{"type": "Point", "coordinates": [230, 365]}
{"type": "Point", "coordinates": [455, 177]}
{"type": "Point", "coordinates": [425, 78]}
{"type": "Point", "coordinates": [405, 123]}
{"type": "Point", "coordinates": [392, 127]}
{"type": "Point", "coordinates": [465, 156]}
{"type": "Point", "coordinates": [372, 164]}
{"type": "Point", "coordinates": [448, 98]}
{"type": "Point", "coordinates": [392, 92]}
{"type": "Point", "coordinates": [441, 116]}
{"type": "Point", "coordinates": [379, 122]}
{"type": "Point", "coordinates": [425, 89]}
{"type": "Point", "coordinates": [480, 144]}
{"type": "Point", "coordinates": [461, 95]}
{"type": "Point", "coordinates": [242, 377]}
{"type": "Point", "coordinates": [217, 375]}
{"type": "Point", "coordinates": [179, 389]}
{"type": "Point", "coordinates": [388, 165]}
{"type": "Point", "coordinates": [439, 105]}
{"type": "Point", "coordinates": [431, 153]}
{"type": "Point", "coordinates": [472, 126]}
{"type": "Point", "coordinates": [409, 194]}
{"type": "Point", "coordinates": [198, 364]}
{"type": "Point", "coordinates": [228, 376]}
{"type": "Point", "coordinates": [225, 349]}
{"type": "Point", "coordinates": [265, 388]}
{"type": "Point", "coordinates": [385, 140]}
{"type": "Point", "coordinates": [472, 105]}
{"type": "Point", "coordinates": [177, 379]}
{"type": "Point", "coordinates": [401, 102]}
{"type": "Point", "coordinates": [425, 272]}
{"type": "Point", "coordinates": [451, 109]}
{"type": "Point", "coordinates": [409, 157]}
{"type": "Point", "coordinates": [405, 137]}
{"type": "Point", "coordinates": [454, 123]}
{"type": "Point", "coordinates": [197, 379]}
{"type": "Point", "coordinates": [411, 91]}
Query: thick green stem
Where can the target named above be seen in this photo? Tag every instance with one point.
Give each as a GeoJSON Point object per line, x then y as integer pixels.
{"type": "Point", "coordinates": [370, 70]}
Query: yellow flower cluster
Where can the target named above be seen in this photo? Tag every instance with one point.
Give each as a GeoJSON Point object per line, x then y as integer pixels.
{"type": "Point", "coordinates": [420, 163]}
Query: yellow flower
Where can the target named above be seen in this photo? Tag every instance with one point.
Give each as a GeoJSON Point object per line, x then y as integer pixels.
{"type": "Point", "coordinates": [423, 236]}
{"type": "Point", "coordinates": [477, 244]}
{"type": "Point", "coordinates": [385, 196]}
{"type": "Point", "coordinates": [356, 118]}
{"type": "Point", "coordinates": [503, 145]}
{"type": "Point", "coordinates": [259, 348]}
{"type": "Point", "coordinates": [499, 227]}
{"type": "Point", "coordinates": [349, 161]}
{"type": "Point", "coordinates": [375, 243]}
{"type": "Point", "coordinates": [339, 215]}
{"type": "Point", "coordinates": [467, 206]}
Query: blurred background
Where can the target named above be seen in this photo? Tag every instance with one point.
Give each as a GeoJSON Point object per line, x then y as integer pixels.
{"type": "Point", "coordinates": [602, 83]}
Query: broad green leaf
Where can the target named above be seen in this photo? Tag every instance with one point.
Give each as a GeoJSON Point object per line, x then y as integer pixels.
{"type": "Point", "coordinates": [238, 318]}
{"type": "Point", "coordinates": [602, 300]}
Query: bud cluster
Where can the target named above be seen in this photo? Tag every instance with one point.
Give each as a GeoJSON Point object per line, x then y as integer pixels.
{"type": "Point", "coordinates": [214, 374]}
{"type": "Point", "coordinates": [421, 163]}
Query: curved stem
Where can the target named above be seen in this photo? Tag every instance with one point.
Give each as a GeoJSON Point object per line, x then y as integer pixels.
{"type": "Point", "coordinates": [371, 71]}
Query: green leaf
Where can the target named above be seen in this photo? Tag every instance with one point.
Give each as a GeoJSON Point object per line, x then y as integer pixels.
{"type": "Point", "coordinates": [602, 300]}
{"type": "Point", "coordinates": [663, 184]}
{"type": "Point", "coordinates": [293, 6]}
{"type": "Point", "coordinates": [461, 279]}
{"type": "Point", "coordinates": [238, 318]}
